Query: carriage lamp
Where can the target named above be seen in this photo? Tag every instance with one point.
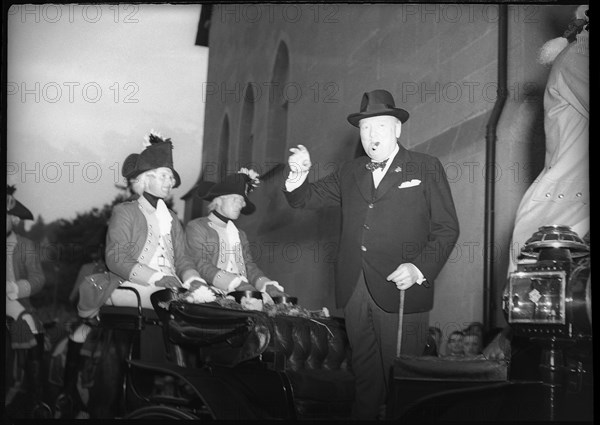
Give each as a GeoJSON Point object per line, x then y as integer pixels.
{"type": "Point", "coordinates": [550, 293]}
{"type": "Point", "coordinates": [548, 300]}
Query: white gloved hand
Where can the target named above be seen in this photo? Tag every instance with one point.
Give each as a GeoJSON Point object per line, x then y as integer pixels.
{"type": "Point", "coordinates": [218, 291]}
{"type": "Point", "coordinates": [405, 276]}
{"type": "Point", "coordinates": [237, 281]}
{"type": "Point", "coordinates": [194, 282]}
{"type": "Point", "coordinates": [272, 283]}
{"type": "Point", "coordinates": [267, 300]}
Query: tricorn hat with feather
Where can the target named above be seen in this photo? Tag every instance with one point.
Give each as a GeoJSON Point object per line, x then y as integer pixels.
{"type": "Point", "coordinates": [577, 31]}
{"type": "Point", "coordinates": [158, 153]}
{"type": "Point", "coordinates": [241, 183]}
{"type": "Point", "coordinates": [14, 207]}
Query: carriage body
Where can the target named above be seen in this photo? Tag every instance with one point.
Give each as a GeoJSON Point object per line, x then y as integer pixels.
{"type": "Point", "coordinates": [185, 360]}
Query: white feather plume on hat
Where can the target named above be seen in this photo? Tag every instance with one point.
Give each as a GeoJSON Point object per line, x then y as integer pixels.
{"type": "Point", "coordinates": [153, 137]}
{"type": "Point", "coordinates": [550, 50]}
{"type": "Point", "coordinates": [580, 13]}
{"type": "Point", "coordinates": [253, 177]}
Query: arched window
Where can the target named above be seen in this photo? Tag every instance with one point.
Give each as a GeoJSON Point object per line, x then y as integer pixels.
{"type": "Point", "coordinates": [223, 161]}
{"type": "Point", "coordinates": [246, 142]}
{"type": "Point", "coordinates": [278, 108]}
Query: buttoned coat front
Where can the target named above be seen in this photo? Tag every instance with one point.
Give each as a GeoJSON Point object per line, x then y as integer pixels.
{"type": "Point", "coordinates": [409, 218]}
{"type": "Point", "coordinates": [131, 242]}
{"type": "Point", "coordinates": [204, 248]}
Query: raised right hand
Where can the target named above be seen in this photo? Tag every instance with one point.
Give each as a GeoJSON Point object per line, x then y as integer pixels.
{"type": "Point", "coordinates": [299, 160]}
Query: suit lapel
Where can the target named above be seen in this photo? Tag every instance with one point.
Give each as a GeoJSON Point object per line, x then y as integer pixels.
{"type": "Point", "coordinates": [364, 181]}
{"type": "Point", "coordinates": [394, 174]}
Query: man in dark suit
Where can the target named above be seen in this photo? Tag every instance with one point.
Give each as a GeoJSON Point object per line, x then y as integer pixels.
{"type": "Point", "coordinates": [399, 226]}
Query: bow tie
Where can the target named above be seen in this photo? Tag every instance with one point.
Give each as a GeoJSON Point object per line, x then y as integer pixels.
{"type": "Point", "coordinates": [372, 166]}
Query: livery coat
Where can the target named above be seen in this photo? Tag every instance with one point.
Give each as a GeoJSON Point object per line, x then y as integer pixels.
{"type": "Point", "coordinates": [30, 279]}
{"type": "Point", "coordinates": [131, 242]}
{"type": "Point", "coordinates": [204, 247]}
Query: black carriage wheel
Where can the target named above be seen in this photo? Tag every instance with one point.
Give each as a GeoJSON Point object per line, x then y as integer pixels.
{"type": "Point", "coordinates": [160, 412]}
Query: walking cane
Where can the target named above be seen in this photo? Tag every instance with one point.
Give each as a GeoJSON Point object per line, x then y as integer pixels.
{"type": "Point", "coordinates": [400, 317]}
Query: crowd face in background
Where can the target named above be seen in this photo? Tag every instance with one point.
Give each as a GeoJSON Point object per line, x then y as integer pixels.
{"type": "Point", "coordinates": [472, 345]}
{"type": "Point", "coordinates": [455, 344]}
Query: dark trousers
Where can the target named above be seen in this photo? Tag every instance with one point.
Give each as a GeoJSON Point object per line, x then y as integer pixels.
{"type": "Point", "coordinates": [373, 334]}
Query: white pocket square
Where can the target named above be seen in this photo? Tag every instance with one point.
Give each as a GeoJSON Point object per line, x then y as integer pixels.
{"type": "Point", "coordinates": [413, 182]}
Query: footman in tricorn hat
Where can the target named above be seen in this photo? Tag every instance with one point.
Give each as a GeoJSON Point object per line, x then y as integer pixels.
{"type": "Point", "coordinates": [399, 225]}
{"type": "Point", "coordinates": [220, 250]}
{"type": "Point", "coordinates": [145, 245]}
{"type": "Point", "coordinates": [24, 278]}
{"type": "Point", "coordinates": [145, 250]}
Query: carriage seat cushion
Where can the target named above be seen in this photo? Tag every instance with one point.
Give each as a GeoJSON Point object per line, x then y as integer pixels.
{"type": "Point", "coordinates": [416, 378]}
{"type": "Point", "coordinates": [319, 344]}
{"type": "Point", "coordinates": [433, 368]}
